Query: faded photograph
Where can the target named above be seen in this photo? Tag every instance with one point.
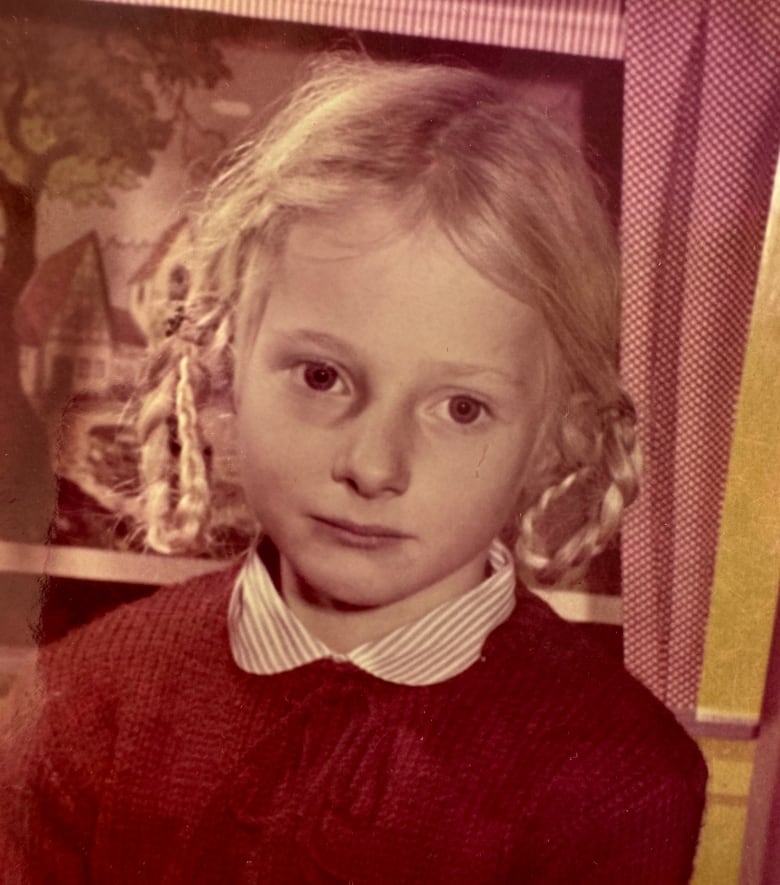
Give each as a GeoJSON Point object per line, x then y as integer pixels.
{"type": "Point", "coordinates": [352, 446]}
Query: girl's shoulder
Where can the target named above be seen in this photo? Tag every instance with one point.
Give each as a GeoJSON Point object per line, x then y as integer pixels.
{"type": "Point", "coordinates": [142, 635]}
{"type": "Point", "coordinates": [601, 738]}
{"type": "Point", "coordinates": [566, 687]}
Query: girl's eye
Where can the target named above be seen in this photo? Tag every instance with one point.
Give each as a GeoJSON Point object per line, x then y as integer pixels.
{"type": "Point", "coordinates": [320, 376]}
{"type": "Point", "coordinates": [464, 409]}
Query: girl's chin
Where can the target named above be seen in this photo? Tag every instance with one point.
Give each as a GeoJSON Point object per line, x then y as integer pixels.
{"type": "Point", "coordinates": [347, 578]}
{"type": "Point", "coordinates": [325, 592]}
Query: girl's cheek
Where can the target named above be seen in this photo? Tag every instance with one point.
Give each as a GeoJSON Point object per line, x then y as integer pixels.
{"type": "Point", "coordinates": [316, 414]}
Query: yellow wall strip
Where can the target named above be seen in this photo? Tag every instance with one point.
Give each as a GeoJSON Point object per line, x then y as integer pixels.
{"type": "Point", "coordinates": [719, 857]}
{"type": "Point", "coordinates": [747, 566]}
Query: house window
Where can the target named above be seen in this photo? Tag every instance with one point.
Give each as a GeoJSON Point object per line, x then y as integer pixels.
{"type": "Point", "coordinates": [178, 283]}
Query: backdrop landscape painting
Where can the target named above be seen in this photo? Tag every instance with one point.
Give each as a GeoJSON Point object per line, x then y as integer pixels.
{"type": "Point", "coordinates": [109, 121]}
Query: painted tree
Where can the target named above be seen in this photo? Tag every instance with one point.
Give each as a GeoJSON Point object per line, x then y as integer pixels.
{"type": "Point", "coordinates": [85, 107]}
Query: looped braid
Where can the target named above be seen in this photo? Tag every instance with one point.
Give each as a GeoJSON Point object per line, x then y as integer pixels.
{"type": "Point", "coordinates": [192, 363]}
{"type": "Point", "coordinates": [192, 507]}
{"type": "Point", "coordinates": [598, 492]}
{"type": "Point", "coordinates": [172, 461]}
{"type": "Point", "coordinates": [155, 458]}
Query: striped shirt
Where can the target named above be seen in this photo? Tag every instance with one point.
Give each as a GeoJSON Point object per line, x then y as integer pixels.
{"type": "Point", "coordinates": [266, 637]}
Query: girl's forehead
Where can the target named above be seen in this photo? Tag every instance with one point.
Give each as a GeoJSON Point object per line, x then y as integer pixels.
{"type": "Point", "coordinates": [400, 293]}
{"type": "Point", "coordinates": [350, 232]}
{"type": "Point", "coordinates": [365, 227]}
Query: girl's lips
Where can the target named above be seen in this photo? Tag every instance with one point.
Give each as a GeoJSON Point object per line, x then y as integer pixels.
{"type": "Point", "coordinates": [362, 530]}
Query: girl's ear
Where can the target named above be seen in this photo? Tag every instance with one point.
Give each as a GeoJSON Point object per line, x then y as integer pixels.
{"type": "Point", "coordinates": [561, 412]}
{"type": "Point", "coordinates": [580, 431]}
{"type": "Point", "coordinates": [595, 478]}
{"type": "Point", "coordinates": [561, 446]}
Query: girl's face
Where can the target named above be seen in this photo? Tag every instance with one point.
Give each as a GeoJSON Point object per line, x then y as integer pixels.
{"type": "Point", "coordinates": [388, 410]}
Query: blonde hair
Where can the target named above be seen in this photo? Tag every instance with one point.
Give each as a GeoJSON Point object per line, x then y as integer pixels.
{"type": "Point", "coordinates": [515, 196]}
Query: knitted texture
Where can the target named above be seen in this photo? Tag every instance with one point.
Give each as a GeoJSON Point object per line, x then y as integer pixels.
{"type": "Point", "coordinates": [147, 755]}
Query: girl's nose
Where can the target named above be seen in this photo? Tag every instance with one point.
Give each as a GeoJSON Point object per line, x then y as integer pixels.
{"type": "Point", "coordinates": [375, 457]}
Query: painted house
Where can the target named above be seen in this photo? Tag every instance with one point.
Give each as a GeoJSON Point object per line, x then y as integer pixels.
{"type": "Point", "coordinates": [70, 336]}
{"type": "Point", "coordinates": [129, 350]}
{"type": "Point", "coordinates": [159, 288]}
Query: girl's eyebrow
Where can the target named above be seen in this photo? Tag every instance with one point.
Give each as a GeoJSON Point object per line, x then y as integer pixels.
{"type": "Point", "coordinates": [321, 339]}
{"type": "Point", "coordinates": [467, 370]}
{"type": "Point", "coordinates": [299, 337]}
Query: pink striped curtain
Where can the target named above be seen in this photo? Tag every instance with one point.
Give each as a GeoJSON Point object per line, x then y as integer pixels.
{"type": "Point", "coordinates": [578, 27]}
{"type": "Point", "coordinates": [702, 123]}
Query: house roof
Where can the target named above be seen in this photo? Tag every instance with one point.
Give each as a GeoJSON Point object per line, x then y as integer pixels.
{"type": "Point", "coordinates": [49, 285]}
{"type": "Point", "coordinates": [158, 252]}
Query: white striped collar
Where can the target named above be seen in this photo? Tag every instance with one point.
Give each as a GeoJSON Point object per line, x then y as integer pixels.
{"type": "Point", "coordinates": [266, 637]}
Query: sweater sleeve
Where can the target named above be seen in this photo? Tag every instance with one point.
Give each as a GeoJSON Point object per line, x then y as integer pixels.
{"type": "Point", "coordinates": [55, 746]}
{"type": "Point", "coordinates": [623, 787]}
{"type": "Point", "coordinates": [637, 823]}
{"type": "Point", "coordinates": [652, 842]}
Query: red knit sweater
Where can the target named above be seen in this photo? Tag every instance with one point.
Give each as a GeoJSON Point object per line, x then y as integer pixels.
{"type": "Point", "coordinates": [153, 759]}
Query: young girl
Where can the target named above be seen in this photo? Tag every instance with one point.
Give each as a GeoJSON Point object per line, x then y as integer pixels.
{"type": "Point", "coordinates": [411, 287]}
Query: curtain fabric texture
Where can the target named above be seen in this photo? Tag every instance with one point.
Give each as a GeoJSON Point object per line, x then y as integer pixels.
{"type": "Point", "coordinates": [702, 123]}
{"type": "Point", "coordinates": [578, 27]}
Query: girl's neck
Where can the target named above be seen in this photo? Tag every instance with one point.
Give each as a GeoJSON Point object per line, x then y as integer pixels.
{"type": "Point", "coordinates": [343, 629]}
